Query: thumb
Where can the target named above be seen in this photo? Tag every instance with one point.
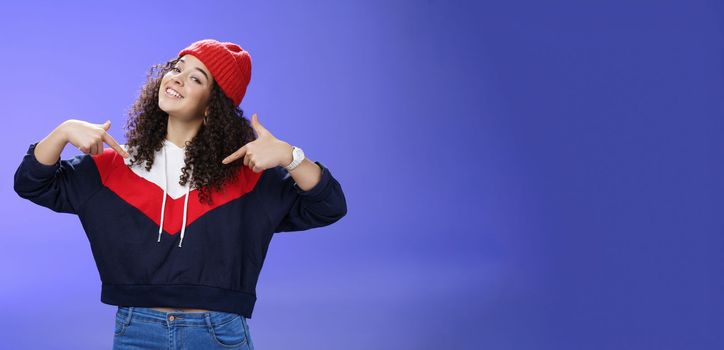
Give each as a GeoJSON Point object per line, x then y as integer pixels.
{"type": "Point", "coordinates": [256, 125]}
{"type": "Point", "coordinates": [106, 125]}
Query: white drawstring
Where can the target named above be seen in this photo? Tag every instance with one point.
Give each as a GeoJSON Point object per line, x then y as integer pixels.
{"type": "Point", "coordinates": [163, 203]}
{"type": "Point", "coordinates": [165, 184]}
{"type": "Point", "coordinates": [186, 203]}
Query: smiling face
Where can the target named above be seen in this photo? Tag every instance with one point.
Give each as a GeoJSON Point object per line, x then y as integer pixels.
{"type": "Point", "coordinates": [185, 89]}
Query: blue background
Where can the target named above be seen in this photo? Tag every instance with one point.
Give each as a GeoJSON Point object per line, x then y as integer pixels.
{"type": "Point", "coordinates": [519, 174]}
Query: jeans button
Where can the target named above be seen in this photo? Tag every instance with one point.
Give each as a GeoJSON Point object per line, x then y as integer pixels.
{"type": "Point", "coordinates": [171, 318]}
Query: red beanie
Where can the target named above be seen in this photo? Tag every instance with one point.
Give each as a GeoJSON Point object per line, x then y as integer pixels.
{"type": "Point", "coordinates": [229, 64]}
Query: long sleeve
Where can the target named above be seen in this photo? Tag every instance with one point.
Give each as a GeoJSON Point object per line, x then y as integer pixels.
{"type": "Point", "coordinates": [293, 209]}
{"type": "Point", "coordinates": [62, 187]}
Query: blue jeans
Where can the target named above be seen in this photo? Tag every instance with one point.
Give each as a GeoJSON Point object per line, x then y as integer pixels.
{"type": "Point", "coordinates": [146, 328]}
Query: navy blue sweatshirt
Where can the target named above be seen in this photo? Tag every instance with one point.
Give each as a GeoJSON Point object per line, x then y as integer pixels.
{"type": "Point", "coordinates": [156, 245]}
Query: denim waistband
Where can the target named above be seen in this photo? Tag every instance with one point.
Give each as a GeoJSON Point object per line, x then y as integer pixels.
{"type": "Point", "coordinates": [180, 318]}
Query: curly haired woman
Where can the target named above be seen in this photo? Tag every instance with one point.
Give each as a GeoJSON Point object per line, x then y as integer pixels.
{"type": "Point", "coordinates": [180, 217]}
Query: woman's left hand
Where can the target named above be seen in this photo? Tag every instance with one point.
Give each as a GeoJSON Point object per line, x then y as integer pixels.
{"type": "Point", "coordinates": [263, 153]}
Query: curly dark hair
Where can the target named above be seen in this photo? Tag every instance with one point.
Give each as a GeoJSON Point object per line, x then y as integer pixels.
{"type": "Point", "coordinates": [226, 131]}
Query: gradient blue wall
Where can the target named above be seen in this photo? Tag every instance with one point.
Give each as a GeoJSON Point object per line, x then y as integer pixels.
{"type": "Point", "coordinates": [519, 174]}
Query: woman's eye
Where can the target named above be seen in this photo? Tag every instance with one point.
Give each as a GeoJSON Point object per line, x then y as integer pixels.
{"type": "Point", "coordinates": [176, 69]}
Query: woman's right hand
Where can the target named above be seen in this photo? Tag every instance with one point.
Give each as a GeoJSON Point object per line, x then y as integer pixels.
{"type": "Point", "coordinates": [89, 137]}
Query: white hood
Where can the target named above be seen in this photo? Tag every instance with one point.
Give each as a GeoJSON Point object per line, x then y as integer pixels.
{"type": "Point", "coordinates": [166, 174]}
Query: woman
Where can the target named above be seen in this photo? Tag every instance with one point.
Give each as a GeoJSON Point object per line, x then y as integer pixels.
{"type": "Point", "coordinates": [180, 217]}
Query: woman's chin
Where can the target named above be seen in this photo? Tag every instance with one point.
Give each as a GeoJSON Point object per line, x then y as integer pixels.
{"type": "Point", "coordinates": [167, 106]}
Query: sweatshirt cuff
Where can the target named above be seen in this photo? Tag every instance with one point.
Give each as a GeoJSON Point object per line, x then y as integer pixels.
{"type": "Point", "coordinates": [320, 190]}
{"type": "Point", "coordinates": [36, 168]}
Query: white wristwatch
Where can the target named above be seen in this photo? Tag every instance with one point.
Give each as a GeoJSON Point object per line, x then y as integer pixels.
{"type": "Point", "coordinates": [298, 157]}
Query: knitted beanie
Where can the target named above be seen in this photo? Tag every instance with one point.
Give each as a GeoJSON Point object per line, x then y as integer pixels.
{"type": "Point", "coordinates": [230, 65]}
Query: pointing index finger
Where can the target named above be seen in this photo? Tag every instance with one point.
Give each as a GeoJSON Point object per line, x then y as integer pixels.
{"type": "Point", "coordinates": [236, 155]}
{"type": "Point", "coordinates": [112, 142]}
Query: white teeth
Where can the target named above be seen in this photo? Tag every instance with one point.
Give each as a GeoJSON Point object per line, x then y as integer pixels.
{"type": "Point", "coordinates": [173, 93]}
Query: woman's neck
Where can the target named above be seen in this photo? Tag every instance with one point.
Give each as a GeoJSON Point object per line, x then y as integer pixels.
{"type": "Point", "coordinates": [179, 132]}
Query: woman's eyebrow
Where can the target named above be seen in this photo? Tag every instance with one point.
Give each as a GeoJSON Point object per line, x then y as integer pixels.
{"type": "Point", "coordinates": [197, 68]}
